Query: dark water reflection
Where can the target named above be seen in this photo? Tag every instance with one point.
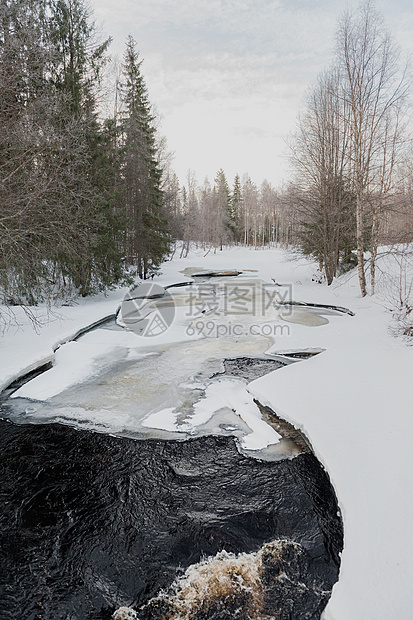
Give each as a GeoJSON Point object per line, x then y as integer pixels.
{"type": "Point", "coordinates": [90, 522]}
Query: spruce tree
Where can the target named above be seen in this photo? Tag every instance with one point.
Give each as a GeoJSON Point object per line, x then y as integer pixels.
{"type": "Point", "coordinates": [224, 224]}
{"type": "Point", "coordinates": [57, 224]}
{"type": "Point", "coordinates": [77, 63]}
{"type": "Point", "coordinates": [236, 209]}
{"type": "Point", "coordinates": [26, 143]}
{"type": "Point", "coordinates": [147, 237]}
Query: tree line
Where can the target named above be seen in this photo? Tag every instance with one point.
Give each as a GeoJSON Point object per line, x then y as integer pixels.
{"type": "Point", "coordinates": [352, 150]}
{"type": "Point", "coordinates": [350, 160]}
{"type": "Point", "coordinates": [81, 199]}
{"type": "Point", "coordinates": [221, 213]}
{"type": "Point", "coordinates": [89, 199]}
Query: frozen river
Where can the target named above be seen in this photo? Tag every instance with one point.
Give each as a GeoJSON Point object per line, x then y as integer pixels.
{"type": "Point", "coordinates": [173, 384]}
{"type": "Point", "coordinates": [163, 510]}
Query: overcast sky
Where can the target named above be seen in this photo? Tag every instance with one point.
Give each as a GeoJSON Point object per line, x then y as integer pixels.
{"type": "Point", "coordinates": [229, 77]}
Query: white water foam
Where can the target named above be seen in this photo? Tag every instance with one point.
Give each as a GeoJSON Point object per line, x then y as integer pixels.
{"type": "Point", "coordinates": [238, 584]}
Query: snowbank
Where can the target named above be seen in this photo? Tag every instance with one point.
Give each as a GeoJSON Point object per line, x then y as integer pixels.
{"type": "Point", "coordinates": [354, 402]}
{"type": "Point", "coordinates": [24, 348]}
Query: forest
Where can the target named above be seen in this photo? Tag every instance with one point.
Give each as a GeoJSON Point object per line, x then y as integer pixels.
{"type": "Point", "coordinates": [88, 195]}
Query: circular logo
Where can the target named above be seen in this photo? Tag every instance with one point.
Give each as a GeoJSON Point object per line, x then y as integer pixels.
{"type": "Point", "coordinates": [147, 309]}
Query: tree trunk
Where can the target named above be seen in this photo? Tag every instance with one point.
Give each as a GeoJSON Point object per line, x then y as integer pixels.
{"type": "Point", "coordinates": [374, 244]}
{"type": "Point", "coordinates": [360, 249]}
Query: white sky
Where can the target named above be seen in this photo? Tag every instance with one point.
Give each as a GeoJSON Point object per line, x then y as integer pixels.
{"type": "Point", "coordinates": [228, 77]}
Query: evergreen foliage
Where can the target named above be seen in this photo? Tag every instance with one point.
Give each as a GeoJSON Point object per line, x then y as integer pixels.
{"type": "Point", "coordinates": [147, 236]}
{"type": "Point", "coordinates": [80, 197]}
{"type": "Point", "coordinates": [236, 209]}
{"type": "Point", "coordinates": [224, 221]}
{"type": "Point", "coordinates": [88, 202]}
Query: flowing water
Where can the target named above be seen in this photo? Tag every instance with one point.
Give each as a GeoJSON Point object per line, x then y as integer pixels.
{"type": "Point", "coordinates": [191, 501]}
{"type": "Point", "coordinates": [92, 522]}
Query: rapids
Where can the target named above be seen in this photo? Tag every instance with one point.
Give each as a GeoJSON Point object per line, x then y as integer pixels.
{"type": "Point", "coordinates": [90, 523]}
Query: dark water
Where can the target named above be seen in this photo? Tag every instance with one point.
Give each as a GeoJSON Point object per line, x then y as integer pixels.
{"type": "Point", "coordinates": [91, 522]}
{"type": "Point", "coordinates": [249, 368]}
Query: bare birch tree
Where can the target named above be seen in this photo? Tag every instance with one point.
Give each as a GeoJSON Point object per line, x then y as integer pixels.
{"type": "Point", "coordinates": [373, 89]}
{"type": "Point", "coordinates": [321, 150]}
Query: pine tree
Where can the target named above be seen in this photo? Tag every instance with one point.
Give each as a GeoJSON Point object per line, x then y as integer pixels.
{"type": "Point", "coordinates": [172, 204]}
{"type": "Point", "coordinates": [147, 237]}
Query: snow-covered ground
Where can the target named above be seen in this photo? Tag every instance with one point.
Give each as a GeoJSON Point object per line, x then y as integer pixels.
{"type": "Point", "coordinates": [25, 345]}
{"type": "Point", "coordinates": [353, 401]}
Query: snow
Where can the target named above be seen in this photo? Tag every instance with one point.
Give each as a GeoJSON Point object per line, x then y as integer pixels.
{"type": "Point", "coordinates": [230, 393]}
{"type": "Point", "coordinates": [24, 348]}
{"type": "Point", "coordinates": [70, 367]}
{"type": "Point", "coordinates": [224, 393]}
{"type": "Point", "coordinates": [353, 401]}
{"type": "Point", "coordinates": [77, 361]}
{"type": "Point", "coordinates": [166, 420]}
